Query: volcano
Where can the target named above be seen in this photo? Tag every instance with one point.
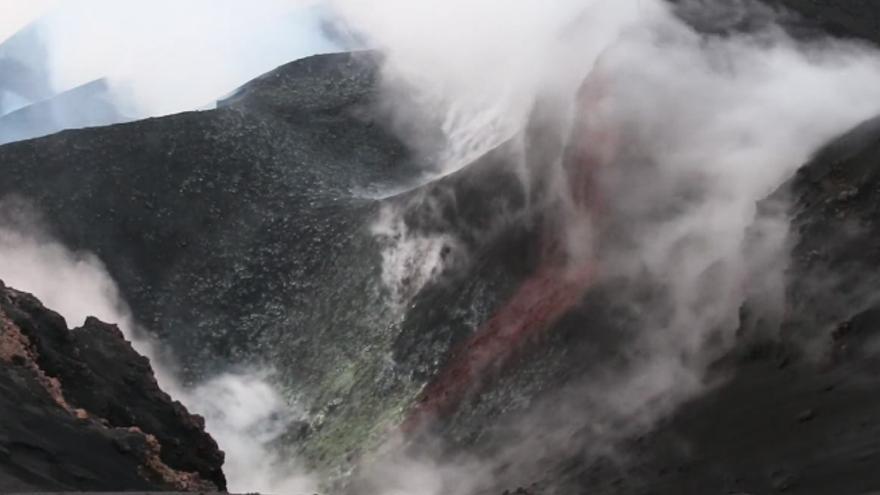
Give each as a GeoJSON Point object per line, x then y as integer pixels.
{"type": "Point", "coordinates": [293, 227]}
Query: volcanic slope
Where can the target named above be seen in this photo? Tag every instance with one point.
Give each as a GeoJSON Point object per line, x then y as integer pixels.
{"type": "Point", "coordinates": [247, 235]}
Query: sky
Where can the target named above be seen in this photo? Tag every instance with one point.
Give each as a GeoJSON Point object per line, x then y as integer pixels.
{"type": "Point", "coordinates": [167, 56]}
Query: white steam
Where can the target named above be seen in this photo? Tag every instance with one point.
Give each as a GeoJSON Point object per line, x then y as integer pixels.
{"type": "Point", "coordinates": [73, 284]}
{"type": "Point", "coordinates": [246, 416]}
{"type": "Point", "coordinates": [478, 66]}
{"type": "Point", "coordinates": [410, 259]}
{"type": "Point", "coordinates": [243, 411]}
{"type": "Point", "coordinates": [707, 127]}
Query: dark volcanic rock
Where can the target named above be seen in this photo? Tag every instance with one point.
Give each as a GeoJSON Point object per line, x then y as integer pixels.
{"type": "Point", "coordinates": [751, 436]}
{"type": "Point", "coordinates": [836, 201]}
{"type": "Point", "coordinates": [843, 18]}
{"type": "Point", "coordinates": [806, 19]}
{"type": "Point", "coordinates": [81, 410]}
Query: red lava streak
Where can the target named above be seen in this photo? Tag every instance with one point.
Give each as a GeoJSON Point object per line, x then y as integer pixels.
{"type": "Point", "coordinates": [537, 304]}
{"type": "Point", "coordinates": [557, 285]}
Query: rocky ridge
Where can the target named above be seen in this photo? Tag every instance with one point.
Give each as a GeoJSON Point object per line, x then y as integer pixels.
{"type": "Point", "coordinates": [82, 411]}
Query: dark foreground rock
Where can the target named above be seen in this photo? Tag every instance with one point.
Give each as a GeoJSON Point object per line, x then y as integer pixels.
{"type": "Point", "coordinates": [81, 410]}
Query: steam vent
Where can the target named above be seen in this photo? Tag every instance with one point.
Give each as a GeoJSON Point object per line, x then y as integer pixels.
{"type": "Point", "coordinates": [425, 247]}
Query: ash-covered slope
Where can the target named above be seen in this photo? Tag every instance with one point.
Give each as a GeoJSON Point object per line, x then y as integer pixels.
{"type": "Point", "coordinates": [243, 235]}
{"type": "Point", "coordinates": [215, 224]}
{"type": "Point", "coordinates": [81, 410]}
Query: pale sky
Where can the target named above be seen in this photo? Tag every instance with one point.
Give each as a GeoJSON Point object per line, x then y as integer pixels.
{"type": "Point", "coordinates": [15, 14]}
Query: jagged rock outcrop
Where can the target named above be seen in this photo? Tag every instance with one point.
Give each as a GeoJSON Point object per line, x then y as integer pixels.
{"type": "Point", "coordinates": [81, 410]}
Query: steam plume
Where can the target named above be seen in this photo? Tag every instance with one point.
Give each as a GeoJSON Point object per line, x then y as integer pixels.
{"type": "Point", "coordinates": [707, 126]}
